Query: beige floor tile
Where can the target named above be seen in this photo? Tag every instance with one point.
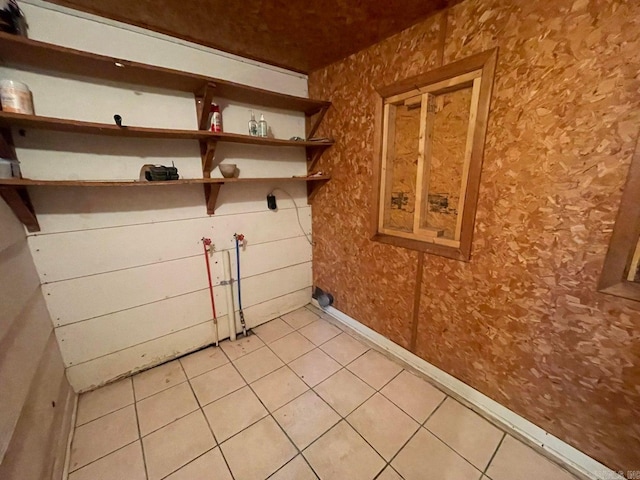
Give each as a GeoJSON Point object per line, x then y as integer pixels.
{"type": "Point", "coordinates": [296, 469]}
{"type": "Point", "coordinates": [216, 384]}
{"type": "Point", "coordinates": [374, 368]}
{"type": "Point", "coordinates": [157, 379]}
{"type": "Point", "coordinates": [344, 348]}
{"type": "Point", "coordinates": [344, 391]}
{"type": "Point", "coordinates": [279, 388]}
{"type": "Point", "coordinates": [383, 425]}
{"type": "Point", "coordinates": [414, 395]}
{"type": "Point", "coordinates": [299, 318]}
{"type": "Point", "coordinates": [257, 364]}
{"type": "Point", "coordinates": [389, 474]}
{"type": "Point", "coordinates": [234, 413]}
{"type": "Point", "coordinates": [427, 457]}
{"type": "Point", "coordinates": [211, 465]}
{"type": "Point", "coordinates": [273, 330]}
{"type": "Point", "coordinates": [202, 361]}
{"type": "Point", "coordinates": [258, 451]}
{"type": "Point", "coordinates": [291, 347]}
{"type": "Point", "coordinates": [306, 418]}
{"type": "Point", "coordinates": [241, 346]}
{"type": "Point", "coordinates": [465, 431]}
{"type": "Point", "coordinates": [320, 332]}
{"type": "Point", "coordinates": [103, 400]}
{"type": "Point", "coordinates": [164, 407]}
{"type": "Point", "coordinates": [314, 367]}
{"type": "Point", "coordinates": [342, 454]}
{"type": "Point", "coordinates": [102, 436]}
{"type": "Point", "coordinates": [171, 447]}
{"type": "Point", "coordinates": [124, 463]}
{"type": "Point", "coordinates": [516, 461]}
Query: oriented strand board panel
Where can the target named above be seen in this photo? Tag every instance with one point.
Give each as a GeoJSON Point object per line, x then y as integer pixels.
{"type": "Point", "coordinates": [372, 282]}
{"type": "Point", "coordinates": [522, 322]}
{"type": "Point", "coordinates": [450, 126]}
{"type": "Point", "coordinates": [402, 167]}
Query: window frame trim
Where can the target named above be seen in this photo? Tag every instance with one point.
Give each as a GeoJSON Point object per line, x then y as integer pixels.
{"type": "Point", "coordinates": [436, 80]}
{"type": "Point", "coordinates": [624, 238]}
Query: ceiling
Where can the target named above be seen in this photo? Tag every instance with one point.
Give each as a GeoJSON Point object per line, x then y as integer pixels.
{"type": "Point", "coordinates": [300, 35]}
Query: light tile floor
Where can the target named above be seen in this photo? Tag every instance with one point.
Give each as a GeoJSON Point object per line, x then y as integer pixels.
{"type": "Point", "coordinates": [299, 399]}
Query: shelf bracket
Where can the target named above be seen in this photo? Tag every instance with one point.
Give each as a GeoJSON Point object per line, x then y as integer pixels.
{"type": "Point", "coordinates": [211, 191]}
{"type": "Point", "coordinates": [19, 201]}
{"type": "Point", "coordinates": [313, 187]}
{"type": "Point", "coordinates": [203, 105]}
{"type": "Point", "coordinates": [313, 156]}
{"type": "Point", "coordinates": [208, 150]}
{"type": "Point", "coordinates": [316, 123]}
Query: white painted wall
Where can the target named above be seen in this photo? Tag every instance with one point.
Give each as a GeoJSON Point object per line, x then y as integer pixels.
{"type": "Point", "coordinates": [122, 268]}
{"type": "Point", "coordinates": [35, 396]}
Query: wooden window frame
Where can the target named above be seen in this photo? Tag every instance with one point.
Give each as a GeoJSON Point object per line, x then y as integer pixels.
{"type": "Point", "coordinates": [477, 71]}
{"type": "Point", "coordinates": [625, 238]}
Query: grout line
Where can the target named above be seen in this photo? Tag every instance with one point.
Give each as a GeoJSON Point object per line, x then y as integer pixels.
{"type": "Point", "coordinates": [504, 436]}
{"type": "Point", "coordinates": [312, 388]}
{"type": "Point", "coordinates": [269, 414]}
{"type": "Point", "coordinates": [217, 444]}
{"type": "Point", "coordinates": [420, 426]}
{"type": "Point", "coordinates": [107, 454]}
{"type": "Point", "coordinates": [135, 407]}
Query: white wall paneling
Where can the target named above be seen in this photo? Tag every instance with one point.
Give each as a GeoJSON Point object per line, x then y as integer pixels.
{"type": "Point", "coordinates": [122, 268]}
{"type": "Point", "coordinates": [31, 369]}
{"type": "Point", "coordinates": [88, 375]}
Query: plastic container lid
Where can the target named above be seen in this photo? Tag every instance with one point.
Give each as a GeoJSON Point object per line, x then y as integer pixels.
{"type": "Point", "coordinates": [6, 83]}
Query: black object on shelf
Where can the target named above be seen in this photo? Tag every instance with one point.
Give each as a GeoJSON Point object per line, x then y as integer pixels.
{"type": "Point", "coordinates": [12, 19]}
{"type": "Point", "coordinates": [160, 173]}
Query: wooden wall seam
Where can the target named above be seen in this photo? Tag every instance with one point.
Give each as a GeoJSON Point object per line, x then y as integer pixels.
{"type": "Point", "coordinates": [417, 295]}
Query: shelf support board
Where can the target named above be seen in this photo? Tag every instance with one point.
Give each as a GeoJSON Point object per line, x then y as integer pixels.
{"type": "Point", "coordinates": [313, 187]}
{"type": "Point", "coordinates": [203, 105]}
{"type": "Point", "coordinates": [211, 191]}
{"type": "Point", "coordinates": [316, 123]}
{"type": "Point", "coordinates": [19, 201]}
{"type": "Point", "coordinates": [208, 150]}
{"type": "Point", "coordinates": [313, 157]}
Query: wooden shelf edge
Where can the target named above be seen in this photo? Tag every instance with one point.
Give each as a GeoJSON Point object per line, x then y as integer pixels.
{"type": "Point", "coordinates": [18, 120]}
{"type": "Point", "coordinates": [15, 194]}
{"type": "Point", "coordinates": [21, 52]}
{"type": "Point", "coordinates": [25, 182]}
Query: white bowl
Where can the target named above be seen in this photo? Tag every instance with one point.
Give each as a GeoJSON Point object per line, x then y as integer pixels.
{"type": "Point", "coordinates": [228, 170]}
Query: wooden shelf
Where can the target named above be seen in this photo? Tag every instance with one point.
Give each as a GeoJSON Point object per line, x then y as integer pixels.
{"type": "Point", "coordinates": [18, 120]}
{"type": "Point", "coordinates": [14, 190]}
{"type": "Point", "coordinates": [27, 182]}
{"type": "Point", "coordinates": [23, 53]}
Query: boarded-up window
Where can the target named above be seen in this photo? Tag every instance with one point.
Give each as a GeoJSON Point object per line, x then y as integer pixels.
{"type": "Point", "coordinates": [430, 156]}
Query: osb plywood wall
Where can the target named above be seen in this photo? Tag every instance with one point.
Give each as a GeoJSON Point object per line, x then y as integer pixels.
{"type": "Point", "coordinates": [403, 166]}
{"type": "Point", "coordinates": [450, 126]}
{"type": "Point", "coordinates": [522, 322]}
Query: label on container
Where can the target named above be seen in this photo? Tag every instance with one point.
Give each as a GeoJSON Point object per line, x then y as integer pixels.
{"type": "Point", "coordinates": [16, 100]}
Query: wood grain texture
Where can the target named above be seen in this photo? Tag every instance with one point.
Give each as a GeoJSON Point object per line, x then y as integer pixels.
{"type": "Point", "coordinates": [371, 281]}
{"type": "Point", "coordinates": [523, 321]}
{"type": "Point", "coordinates": [298, 35]}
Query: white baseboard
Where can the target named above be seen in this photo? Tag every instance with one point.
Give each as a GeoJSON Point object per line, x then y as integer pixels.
{"type": "Point", "coordinates": [563, 453]}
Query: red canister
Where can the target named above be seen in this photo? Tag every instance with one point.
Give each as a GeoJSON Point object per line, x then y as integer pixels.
{"type": "Point", "coordinates": [216, 118]}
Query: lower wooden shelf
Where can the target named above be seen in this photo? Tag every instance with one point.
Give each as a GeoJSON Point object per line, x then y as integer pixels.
{"type": "Point", "coordinates": [14, 190]}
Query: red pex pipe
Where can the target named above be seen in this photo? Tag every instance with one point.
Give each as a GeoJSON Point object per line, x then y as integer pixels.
{"type": "Point", "coordinates": [206, 242]}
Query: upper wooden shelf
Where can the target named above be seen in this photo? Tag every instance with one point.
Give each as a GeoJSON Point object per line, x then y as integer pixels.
{"type": "Point", "coordinates": [8, 119]}
{"type": "Point", "coordinates": [23, 53]}
{"type": "Point", "coordinates": [27, 182]}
